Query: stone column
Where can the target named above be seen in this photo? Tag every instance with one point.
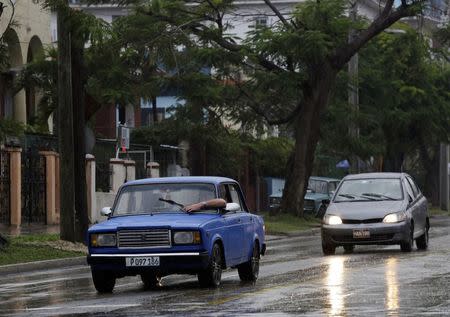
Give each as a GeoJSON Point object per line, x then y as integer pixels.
{"type": "Point", "coordinates": [50, 185]}
{"type": "Point", "coordinates": [130, 167]}
{"type": "Point", "coordinates": [118, 174]}
{"type": "Point", "coordinates": [152, 169]}
{"type": "Point", "coordinates": [20, 107]}
{"type": "Point", "coordinates": [15, 174]}
{"type": "Point", "coordinates": [90, 187]}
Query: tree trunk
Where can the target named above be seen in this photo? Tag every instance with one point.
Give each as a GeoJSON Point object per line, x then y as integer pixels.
{"type": "Point", "coordinates": [430, 163]}
{"type": "Point", "coordinates": [306, 137]}
{"type": "Point", "coordinates": [65, 130]}
{"type": "Point", "coordinates": [394, 158]}
{"type": "Point", "coordinates": [154, 111]}
{"type": "Point", "coordinates": [79, 152]}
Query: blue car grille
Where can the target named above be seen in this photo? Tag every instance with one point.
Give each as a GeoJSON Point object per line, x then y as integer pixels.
{"type": "Point", "coordinates": [144, 238]}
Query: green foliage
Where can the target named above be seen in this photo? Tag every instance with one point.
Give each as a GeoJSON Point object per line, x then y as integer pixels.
{"type": "Point", "coordinates": [4, 57]}
{"type": "Point", "coordinates": [29, 248]}
{"type": "Point", "coordinates": [285, 223]}
{"type": "Point", "coordinates": [271, 155]}
{"type": "Point", "coordinates": [404, 101]}
{"type": "Point", "coordinates": [10, 127]}
{"type": "Point", "coordinates": [41, 75]}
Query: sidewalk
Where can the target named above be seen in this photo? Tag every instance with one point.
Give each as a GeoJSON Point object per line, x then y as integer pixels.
{"type": "Point", "coordinates": [28, 229]}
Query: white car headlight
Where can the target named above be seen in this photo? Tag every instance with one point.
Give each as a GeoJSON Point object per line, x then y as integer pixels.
{"type": "Point", "coordinates": [186, 237]}
{"type": "Point", "coordinates": [332, 220]}
{"type": "Point", "coordinates": [103, 240]}
{"type": "Point", "coordinates": [395, 217]}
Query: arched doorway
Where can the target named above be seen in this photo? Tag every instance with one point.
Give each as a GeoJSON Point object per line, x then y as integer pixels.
{"type": "Point", "coordinates": [35, 50]}
{"type": "Point", "coordinates": [13, 102]}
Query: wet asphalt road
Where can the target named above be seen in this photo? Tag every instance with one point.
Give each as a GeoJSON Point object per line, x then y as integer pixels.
{"type": "Point", "coordinates": [294, 279]}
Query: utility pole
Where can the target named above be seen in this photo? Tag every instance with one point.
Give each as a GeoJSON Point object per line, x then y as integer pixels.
{"type": "Point", "coordinates": [353, 87]}
{"type": "Point", "coordinates": [444, 175]}
{"type": "Point", "coordinates": [65, 127]}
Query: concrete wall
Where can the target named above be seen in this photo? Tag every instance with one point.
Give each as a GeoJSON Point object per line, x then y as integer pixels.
{"type": "Point", "coordinates": [102, 200]}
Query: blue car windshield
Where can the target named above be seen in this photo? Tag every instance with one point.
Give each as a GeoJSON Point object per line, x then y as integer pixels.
{"type": "Point", "coordinates": [154, 198]}
{"type": "Point", "coordinates": [369, 189]}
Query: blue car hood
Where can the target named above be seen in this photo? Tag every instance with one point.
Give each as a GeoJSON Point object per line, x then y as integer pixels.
{"type": "Point", "coordinates": [172, 220]}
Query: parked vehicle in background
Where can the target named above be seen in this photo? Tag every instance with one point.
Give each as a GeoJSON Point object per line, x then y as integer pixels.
{"type": "Point", "coordinates": [153, 230]}
{"type": "Point", "coordinates": [376, 208]}
{"type": "Point", "coordinates": [319, 189]}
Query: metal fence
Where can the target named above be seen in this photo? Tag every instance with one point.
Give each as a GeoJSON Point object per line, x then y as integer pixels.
{"type": "Point", "coordinates": [33, 187]}
{"type": "Point", "coordinates": [5, 213]}
{"type": "Point", "coordinates": [40, 142]}
{"type": "Point", "coordinates": [103, 151]}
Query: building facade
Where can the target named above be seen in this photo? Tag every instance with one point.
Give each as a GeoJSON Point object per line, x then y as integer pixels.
{"type": "Point", "coordinates": [25, 41]}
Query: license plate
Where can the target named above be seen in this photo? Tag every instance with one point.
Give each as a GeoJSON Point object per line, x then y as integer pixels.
{"type": "Point", "coordinates": [361, 233]}
{"type": "Point", "coordinates": [142, 261]}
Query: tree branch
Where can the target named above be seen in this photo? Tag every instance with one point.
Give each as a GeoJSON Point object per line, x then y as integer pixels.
{"type": "Point", "coordinates": [13, 8]}
{"type": "Point", "coordinates": [383, 21]}
{"type": "Point", "coordinates": [278, 13]}
{"type": "Point", "coordinates": [255, 107]}
{"type": "Point", "coordinates": [199, 29]}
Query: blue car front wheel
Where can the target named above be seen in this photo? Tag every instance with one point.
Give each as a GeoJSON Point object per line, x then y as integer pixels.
{"type": "Point", "coordinates": [212, 275]}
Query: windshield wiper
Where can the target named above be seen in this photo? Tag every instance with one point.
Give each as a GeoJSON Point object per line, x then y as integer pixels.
{"type": "Point", "coordinates": [169, 201]}
{"type": "Point", "coordinates": [357, 196]}
{"type": "Point", "coordinates": [377, 195]}
{"type": "Point", "coordinates": [347, 196]}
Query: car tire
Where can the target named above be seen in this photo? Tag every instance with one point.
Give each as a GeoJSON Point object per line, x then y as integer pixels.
{"type": "Point", "coordinates": [349, 248]}
{"type": "Point", "coordinates": [212, 275]}
{"type": "Point", "coordinates": [104, 281]}
{"type": "Point", "coordinates": [406, 246]}
{"type": "Point", "coordinates": [328, 249]}
{"type": "Point", "coordinates": [150, 280]}
{"type": "Point", "coordinates": [422, 241]}
{"type": "Point", "coordinates": [249, 271]}
{"type": "Point", "coordinates": [321, 211]}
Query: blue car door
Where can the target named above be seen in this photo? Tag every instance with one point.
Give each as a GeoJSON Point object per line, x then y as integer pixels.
{"type": "Point", "coordinates": [233, 236]}
{"type": "Point", "coordinates": [233, 233]}
{"type": "Point", "coordinates": [248, 227]}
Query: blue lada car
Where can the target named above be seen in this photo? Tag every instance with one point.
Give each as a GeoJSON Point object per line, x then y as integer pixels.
{"type": "Point", "coordinates": [176, 225]}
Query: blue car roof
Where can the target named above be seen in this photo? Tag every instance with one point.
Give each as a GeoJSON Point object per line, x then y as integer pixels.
{"type": "Point", "coordinates": [181, 179]}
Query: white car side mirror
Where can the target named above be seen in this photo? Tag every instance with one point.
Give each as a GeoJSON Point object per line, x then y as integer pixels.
{"type": "Point", "coordinates": [106, 211]}
{"type": "Point", "coordinates": [232, 207]}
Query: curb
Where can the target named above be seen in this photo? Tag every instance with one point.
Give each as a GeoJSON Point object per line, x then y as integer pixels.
{"type": "Point", "coordinates": [304, 233]}
{"type": "Point", "coordinates": [41, 265]}
{"type": "Point", "coordinates": [300, 233]}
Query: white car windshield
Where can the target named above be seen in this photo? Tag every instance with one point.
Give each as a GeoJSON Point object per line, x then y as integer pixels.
{"type": "Point", "coordinates": [154, 198]}
{"type": "Point", "coordinates": [369, 189]}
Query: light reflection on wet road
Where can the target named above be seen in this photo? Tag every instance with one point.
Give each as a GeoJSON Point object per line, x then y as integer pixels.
{"type": "Point", "coordinates": [295, 279]}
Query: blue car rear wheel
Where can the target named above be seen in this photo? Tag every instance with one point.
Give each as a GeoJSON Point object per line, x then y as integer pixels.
{"type": "Point", "coordinates": [249, 271]}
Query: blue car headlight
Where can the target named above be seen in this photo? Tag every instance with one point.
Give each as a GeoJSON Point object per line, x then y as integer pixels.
{"type": "Point", "coordinates": [103, 240]}
{"type": "Point", "coordinates": [395, 217]}
{"type": "Point", "coordinates": [187, 237]}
